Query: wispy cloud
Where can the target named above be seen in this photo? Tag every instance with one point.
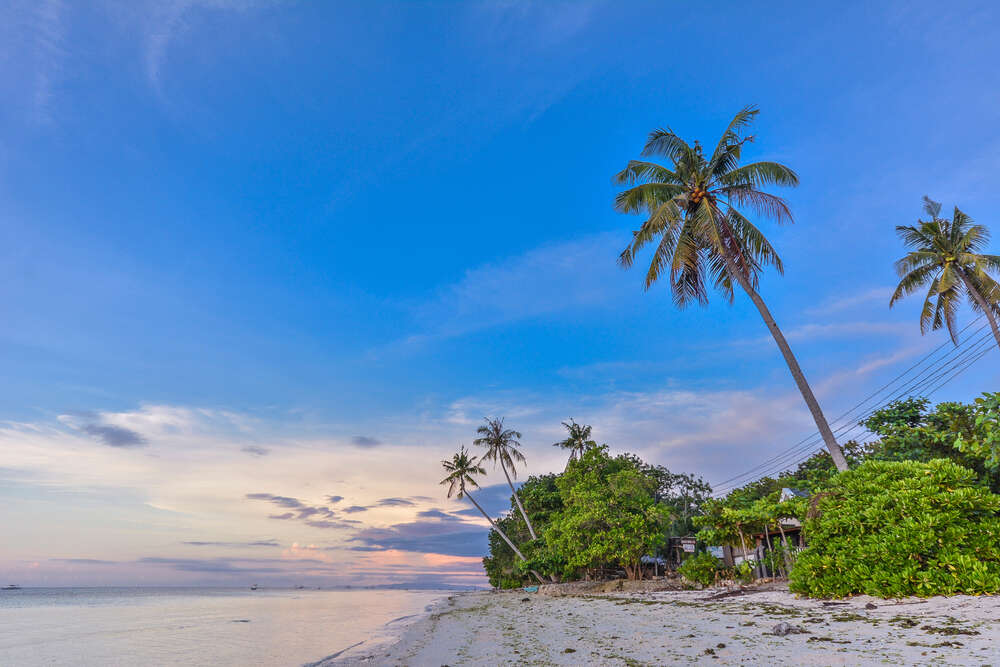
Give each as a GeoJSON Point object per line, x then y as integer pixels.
{"type": "Point", "coordinates": [442, 537]}
{"type": "Point", "coordinates": [84, 561]}
{"type": "Point", "coordinates": [254, 543]}
{"type": "Point", "coordinates": [219, 565]}
{"type": "Point", "coordinates": [549, 279]}
{"type": "Point", "coordinates": [281, 501]}
{"type": "Point", "coordinates": [858, 298]}
{"type": "Point", "coordinates": [313, 516]}
{"type": "Point", "coordinates": [395, 502]}
{"type": "Point", "coordinates": [812, 331]}
{"type": "Point", "coordinates": [114, 436]}
{"type": "Point", "coordinates": [162, 23]}
{"type": "Point", "coordinates": [32, 46]}
{"type": "Point", "coordinates": [539, 26]}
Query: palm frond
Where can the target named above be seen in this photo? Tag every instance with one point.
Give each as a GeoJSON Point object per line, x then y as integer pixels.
{"type": "Point", "coordinates": [948, 279]}
{"type": "Point", "coordinates": [666, 250]}
{"type": "Point", "coordinates": [971, 238]}
{"type": "Point", "coordinates": [754, 242]}
{"type": "Point", "coordinates": [639, 171]}
{"type": "Point", "coordinates": [762, 203]}
{"type": "Point", "coordinates": [915, 237]}
{"type": "Point", "coordinates": [687, 280]}
{"type": "Point", "coordinates": [718, 270]}
{"type": "Point", "coordinates": [915, 260]}
{"type": "Point", "coordinates": [947, 305]}
{"type": "Point", "coordinates": [932, 208]}
{"type": "Point", "coordinates": [980, 264]}
{"type": "Point", "coordinates": [760, 174]}
{"type": "Point", "coordinates": [663, 222]}
{"type": "Point", "coordinates": [913, 281]}
{"type": "Point", "coordinates": [663, 141]}
{"type": "Point", "coordinates": [928, 309]}
{"type": "Point", "coordinates": [727, 152]}
{"type": "Point", "coordinates": [646, 197]}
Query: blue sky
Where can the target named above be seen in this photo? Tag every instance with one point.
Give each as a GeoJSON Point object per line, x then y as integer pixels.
{"type": "Point", "coordinates": [301, 249]}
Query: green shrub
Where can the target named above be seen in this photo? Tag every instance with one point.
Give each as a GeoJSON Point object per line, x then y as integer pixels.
{"type": "Point", "coordinates": [700, 569]}
{"type": "Point", "coordinates": [897, 528]}
{"type": "Point", "coordinates": [744, 572]}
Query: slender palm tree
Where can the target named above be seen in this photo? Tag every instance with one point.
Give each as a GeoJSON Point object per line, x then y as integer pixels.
{"type": "Point", "coordinates": [945, 257]}
{"type": "Point", "coordinates": [694, 220]}
{"type": "Point", "coordinates": [577, 440]}
{"type": "Point", "coordinates": [461, 470]}
{"type": "Point", "coordinates": [503, 447]}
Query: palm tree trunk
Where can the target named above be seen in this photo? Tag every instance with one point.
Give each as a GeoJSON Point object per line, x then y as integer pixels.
{"type": "Point", "coordinates": [793, 365]}
{"type": "Point", "coordinates": [496, 527]}
{"type": "Point", "coordinates": [982, 304]}
{"type": "Point", "coordinates": [502, 535]}
{"type": "Point", "coordinates": [767, 541]}
{"type": "Point", "coordinates": [784, 545]}
{"type": "Point", "coordinates": [518, 501]}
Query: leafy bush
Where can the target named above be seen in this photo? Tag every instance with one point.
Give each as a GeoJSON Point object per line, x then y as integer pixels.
{"type": "Point", "coordinates": [700, 569]}
{"type": "Point", "coordinates": [897, 528]}
{"type": "Point", "coordinates": [966, 433]}
{"type": "Point", "coordinates": [744, 572]}
{"type": "Point", "coordinates": [610, 515]}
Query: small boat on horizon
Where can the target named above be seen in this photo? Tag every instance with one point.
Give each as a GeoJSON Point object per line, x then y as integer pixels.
{"type": "Point", "coordinates": [254, 587]}
{"type": "Point", "coordinates": [11, 587]}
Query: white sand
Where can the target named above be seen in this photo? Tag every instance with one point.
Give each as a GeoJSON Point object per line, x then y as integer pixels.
{"type": "Point", "coordinates": [684, 628]}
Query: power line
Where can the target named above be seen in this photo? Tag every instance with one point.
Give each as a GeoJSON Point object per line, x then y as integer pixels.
{"type": "Point", "coordinates": [955, 361]}
{"type": "Point", "coordinates": [807, 441]}
{"type": "Point", "coordinates": [961, 364]}
{"type": "Point", "coordinates": [956, 366]}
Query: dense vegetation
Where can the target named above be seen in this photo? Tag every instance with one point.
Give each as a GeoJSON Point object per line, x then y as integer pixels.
{"type": "Point", "coordinates": [600, 516]}
{"type": "Point", "coordinates": [921, 492]}
{"type": "Point", "coordinates": [916, 514]}
{"type": "Point", "coordinates": [897, 528]}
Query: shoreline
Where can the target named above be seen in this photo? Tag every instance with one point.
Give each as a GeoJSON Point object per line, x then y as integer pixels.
{"type": "Point", "coordinates": [753, 627]}
{"type": "Point", "coordinates": [368, 650]}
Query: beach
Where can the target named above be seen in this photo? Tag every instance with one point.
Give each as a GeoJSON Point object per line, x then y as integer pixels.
{"type": "Point", "coordinates": [690, 627]}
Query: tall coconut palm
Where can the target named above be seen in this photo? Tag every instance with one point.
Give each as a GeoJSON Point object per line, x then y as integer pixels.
{"type": "Point", "coordinates": [946, 258]}
{"type": "Point", "coordinates": [503, 447]}
{"type": "Point", "coordinates": [694, 220]}
{"type": "Point", "coordinates": [461, 470]}
{"type": "Point", "coordinates": [577, 440]}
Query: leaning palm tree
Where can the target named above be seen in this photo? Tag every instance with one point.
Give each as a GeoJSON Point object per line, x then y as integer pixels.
{"type": "Point", "coordinates": [945, 257]}
{"type": "Point", "coordinates": [503, 446]}
{"type": "Point", "coordinates": [577, 440]}
{"type": "Point", "coordinates": [461, 470]}
{"type": "Point", "coordinates": [700, 233]}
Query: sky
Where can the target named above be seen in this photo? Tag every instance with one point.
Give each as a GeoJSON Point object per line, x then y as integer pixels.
{"type": "Point", "coordinates": [263, 264]}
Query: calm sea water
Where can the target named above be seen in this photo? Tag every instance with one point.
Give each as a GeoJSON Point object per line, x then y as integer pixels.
{"type": "Point", "coordinates": [171, 626]}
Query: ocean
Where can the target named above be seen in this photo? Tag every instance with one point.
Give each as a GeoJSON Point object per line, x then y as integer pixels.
{"type": "Point", "coordinates": [198, 626]}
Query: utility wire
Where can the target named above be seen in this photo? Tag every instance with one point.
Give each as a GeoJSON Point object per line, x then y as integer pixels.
{"type": "Point", "coordinates": [950, 370]}
{"type": "Point", "coordinates": [947, 366]}
{"type": "Point", "coordinates": [807, 441]}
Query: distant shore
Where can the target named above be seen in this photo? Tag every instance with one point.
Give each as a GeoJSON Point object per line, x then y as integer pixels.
{"type": "Point", "coordinates": [755, 627]}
